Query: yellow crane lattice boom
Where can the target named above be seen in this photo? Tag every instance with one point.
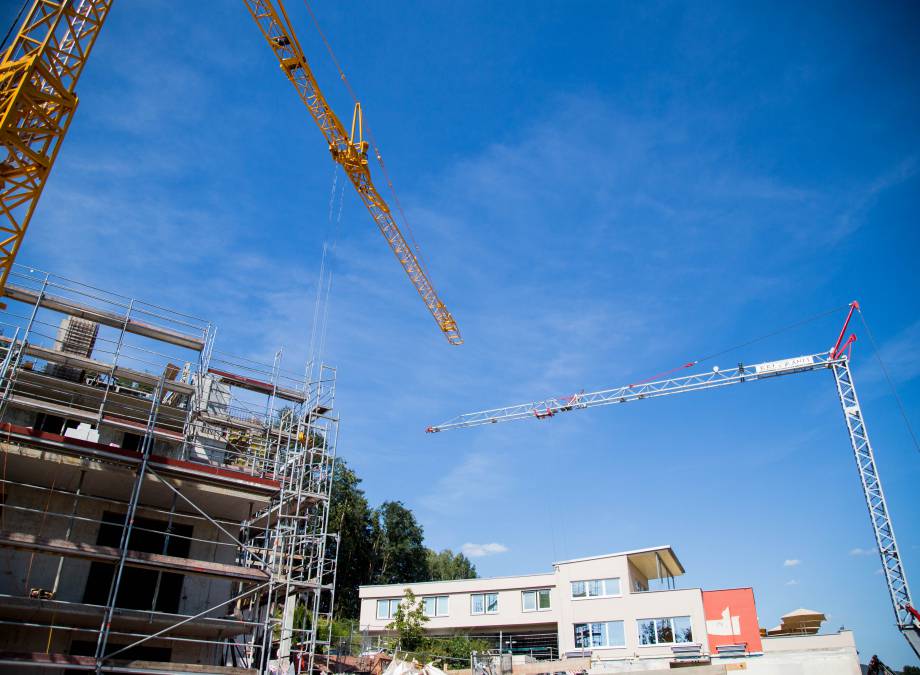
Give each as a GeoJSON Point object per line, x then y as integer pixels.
{"type": "Point", "coordinates": [349, 153]}
{"type": "Point", "coordinates": [38, 74]}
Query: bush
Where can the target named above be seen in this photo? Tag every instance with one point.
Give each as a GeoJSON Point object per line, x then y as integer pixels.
{"type": "Point", "coordinates": [455, 649]}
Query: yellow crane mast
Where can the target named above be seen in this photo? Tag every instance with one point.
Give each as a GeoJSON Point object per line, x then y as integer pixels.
{"type": "Point", "coordinates": [350, 153]}
{"type": "Point", "coordinates": [38, 74]}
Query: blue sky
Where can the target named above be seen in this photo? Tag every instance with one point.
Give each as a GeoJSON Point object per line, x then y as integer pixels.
{"type": "Point", "coordinates": [602, 192]}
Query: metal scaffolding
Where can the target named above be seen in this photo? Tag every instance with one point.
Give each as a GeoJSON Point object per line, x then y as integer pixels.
{"type": "Point", "coordinates": [162, 502]}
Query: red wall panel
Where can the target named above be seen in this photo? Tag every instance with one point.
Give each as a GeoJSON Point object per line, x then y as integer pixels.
{"type": "Point", "coordinates": [731, 617]}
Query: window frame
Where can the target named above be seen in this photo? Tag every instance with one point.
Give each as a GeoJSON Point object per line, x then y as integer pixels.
{"type": "Point", "coordinates": [485, 603]}
{"type": "Point", "coordinates": [391, 609]}
{"type": "Point", "coordinates": [536, 598]}
{"type": "Point", "coordinates": [589, 627]}
{"type": "Point", "coordinates": [586, 585]}
{"type": "Point", "coordinates": [670, 625]}
{"type": "Point", "coordinates": [435, 599]}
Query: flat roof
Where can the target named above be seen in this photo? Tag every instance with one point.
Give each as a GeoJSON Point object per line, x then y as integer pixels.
{"type": "Point", "coordinates": [668, 558]}
{"type": "Point", "coordinates": [459, 581]}
{"type": "Point", "coordinates": [652, 549]}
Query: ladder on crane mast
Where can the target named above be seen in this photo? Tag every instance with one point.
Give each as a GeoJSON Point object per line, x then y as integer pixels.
{"type": "Point", "coordinates": [837, 360]}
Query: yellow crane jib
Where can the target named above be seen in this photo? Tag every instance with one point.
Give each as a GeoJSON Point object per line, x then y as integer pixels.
{"type": "Point", "coordinates": [272, 20]}
{"type": "Point", "coordinates": [38, 75]}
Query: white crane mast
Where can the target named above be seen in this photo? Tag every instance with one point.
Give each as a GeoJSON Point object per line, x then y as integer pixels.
{"type": "Point", "coordinates": [836, 360]}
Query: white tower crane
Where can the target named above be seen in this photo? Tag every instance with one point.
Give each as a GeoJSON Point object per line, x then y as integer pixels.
{"type": "Point", "coordinates": [836, 360]}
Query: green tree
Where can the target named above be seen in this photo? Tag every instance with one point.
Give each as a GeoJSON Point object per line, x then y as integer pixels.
{"type": "Point", "coordinates": [911, 670]}
{"type": "Point", "coordinates": [400, 556]}
{"type": "Point", "coordinates": [447, 566]}
{"type": "Point", "coordinates": [409, 622]}
{"type": "Point", "coordinates": [351, 517]}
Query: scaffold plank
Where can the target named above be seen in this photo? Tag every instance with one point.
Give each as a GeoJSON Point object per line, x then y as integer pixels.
{"type": "Point", "coordinates": [12, 432]}
{"type": "Point", "coordinates": [259, 386]}
{"type": "Point", "coordinates": [67, 614]}
{"type": "Point", "coordinates": [66, 661]}
{"type": "Point", "coordinates": [101, 368]}
{"type": "Point", "coordinates": [104, 317]}
{"type": "Point", "coordinates": [29, 542]}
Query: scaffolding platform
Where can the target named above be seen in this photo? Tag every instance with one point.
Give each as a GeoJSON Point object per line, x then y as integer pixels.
{"type": "Point", "coordinates": [105, 317]}
{"type": "Point", "coordinates": [78, 615]}
{"type": "Point", "coordinates": [61, 547]}
{"type": "Point", "coordinates": [163, 506]}
{"type": "Point", "coordinates": [64, 661]}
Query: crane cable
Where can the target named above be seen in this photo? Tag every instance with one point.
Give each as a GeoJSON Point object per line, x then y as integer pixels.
{"type": "Point", "coordinates": [324, 281]}
{"type": "Point", "coordinates": [897, 397]}
{"type": "Point", "coordinates": [370, 135]}
{"type": "Point", "coordinates": [14, 23]}
{"type": "Point", "coordinates": [788, 327]}
{"type": "Point", "coordinates": [326, 303]}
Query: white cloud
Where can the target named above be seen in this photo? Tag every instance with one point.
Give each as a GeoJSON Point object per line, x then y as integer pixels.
{"type": "Point", "coordinates": [481, 550]}
{"type": "Point", "coordinates": [862, 551]}
{"type": "Point", "coordinates": [792, 582]}
{"type": "Point", "coordinates": [467, 484]}
{"type": "Point", "coordinates": [792, 562]}
{"type": "Point", "coordinates": [880, 571]}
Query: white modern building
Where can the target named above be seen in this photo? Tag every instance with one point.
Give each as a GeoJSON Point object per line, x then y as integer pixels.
{"type": "Point", "coordinates": [620, 611]}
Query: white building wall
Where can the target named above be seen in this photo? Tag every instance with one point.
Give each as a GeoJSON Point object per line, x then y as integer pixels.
{"type": "Point", "coordinates": [629, 607]}
{"type": "Point", "coordinates": [510, 609]}
{"type": "Point", "coordinates": [565, 611]}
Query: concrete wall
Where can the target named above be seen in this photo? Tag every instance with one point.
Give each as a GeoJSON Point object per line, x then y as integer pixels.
{"type": "Point", "coordinates": [21, 571]}
{"type": "Point", "coordinates": [833, 654]}
{"type": "Point", "coordinates": [23, 418]}
{"type": "Point", "coordinates": [808, 655]}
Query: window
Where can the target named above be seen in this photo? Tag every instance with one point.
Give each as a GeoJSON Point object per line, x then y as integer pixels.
{"type": "Point", "coordinates": [484, 603]}
{"type": "Point", "coordinates": [436, 605]}
{"type": "Point", "coordinates": [386, 609]}
{"type": "Point", "coordinates": [603, 634]}
{"type": "Point", "coordinates": [139, 587]}
{"type": "Point", "coordinates": [596, 588]}
{"type": "Point", "coordinates": [665, 631]}
{"type": "Point", "coordinates": [535, 601]}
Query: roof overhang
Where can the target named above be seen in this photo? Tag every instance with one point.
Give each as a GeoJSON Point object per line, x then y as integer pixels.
{"type": "Point", "coordinates": [658, 563]}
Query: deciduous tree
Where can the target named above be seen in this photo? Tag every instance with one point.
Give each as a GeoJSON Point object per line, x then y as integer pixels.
{"type": "Point", "coordinates": [446, 566]}
{"type": "Point", "coordinates": [351, 517]}
{"type": "Point", "coordinates": [400, 556]}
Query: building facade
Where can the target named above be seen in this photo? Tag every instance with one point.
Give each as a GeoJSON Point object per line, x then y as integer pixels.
{"type": "Point", "coordinates": [164, 505]}
{"type": "Point", "coordinates": [621, 611]}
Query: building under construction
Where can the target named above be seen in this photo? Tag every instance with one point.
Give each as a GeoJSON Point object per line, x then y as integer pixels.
{"type": "Point", "coordinates": [164, 506]}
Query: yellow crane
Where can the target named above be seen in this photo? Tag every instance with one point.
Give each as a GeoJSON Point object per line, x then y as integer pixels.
{"type": "Point", "coordinates": [38, 74]}
{"type": "Point", "coordinates": [349, 152]}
